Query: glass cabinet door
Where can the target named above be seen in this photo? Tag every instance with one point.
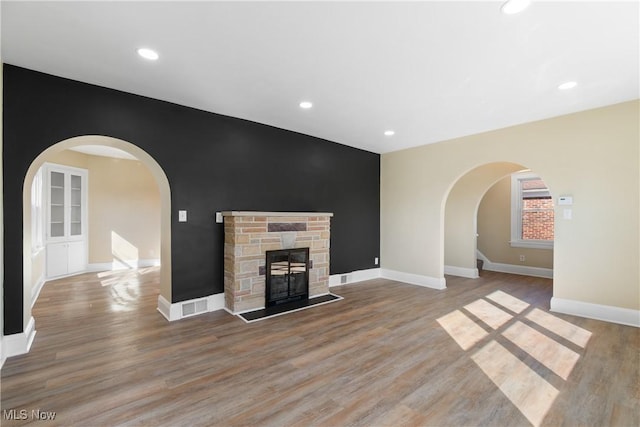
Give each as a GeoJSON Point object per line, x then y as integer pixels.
{"type": "Point", "coordinates": [76, 206]}
{"type": "Point", "coordinates": [57, 204]}
{"type": "Point", "coordinates": [66, 222]}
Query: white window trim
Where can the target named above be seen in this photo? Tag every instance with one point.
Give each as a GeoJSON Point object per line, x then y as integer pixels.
{"type": "Point", "coordinates": [516, 215]}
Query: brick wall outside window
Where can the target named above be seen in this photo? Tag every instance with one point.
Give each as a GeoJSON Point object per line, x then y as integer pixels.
{"type": "Point", "coordinates": [537, 219]}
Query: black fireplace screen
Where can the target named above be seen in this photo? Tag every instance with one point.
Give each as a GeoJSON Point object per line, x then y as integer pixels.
{"type": "Point", "coordinates": [287, 276]}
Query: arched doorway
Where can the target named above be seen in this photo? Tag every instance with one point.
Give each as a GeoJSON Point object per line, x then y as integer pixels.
{"type": "Point", "coordinates": [461, 215]}
{"type": "Point", "coordinates": [165, 211]}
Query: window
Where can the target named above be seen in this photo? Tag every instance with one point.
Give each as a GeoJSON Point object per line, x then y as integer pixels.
{"type": "Point", "coordinates": [531, 212]}
{"type": "Point", "coordinates": [37, 214]}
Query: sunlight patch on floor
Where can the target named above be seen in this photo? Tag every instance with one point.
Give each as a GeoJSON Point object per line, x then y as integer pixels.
{"type": "Point", "coordinates": [125, 286]}
{"type": "Point", "coordinates": [519, 382]}
{"type": "Point", "coordinates": [547, 351]}
{"type": "Point", "coordinates": [488, 313]}
{"type": "Point", "coordinates": [462, 329]}
{"type": "Point", "coordinates": [124, 295]}
{"type": "Point", "coordinates": [512, 303]}
{"type": "Point", "coordinates": [117, 274]}
{"type": "Point", "coordinates": [148, 270]}
{"type": "Point", "coordinates": [529, 392]}
{"type": "Point", "coordinates": [124, 276]}
{"type": "Point", "coordinates": [560, 327]}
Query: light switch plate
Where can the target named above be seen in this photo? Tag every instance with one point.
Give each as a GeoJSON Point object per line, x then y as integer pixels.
{"type": "Point", "coordinates": [219, 219]}
{"type": "Point", "coordinates": [566, 213]}
{"type": "Point", "coordinates": [182, 216]}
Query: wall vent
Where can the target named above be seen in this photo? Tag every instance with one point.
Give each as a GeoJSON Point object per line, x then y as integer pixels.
{"type": "Point", "coordinates": [201, 306]}
{"type": "Point", "coordinates": [194, 307]}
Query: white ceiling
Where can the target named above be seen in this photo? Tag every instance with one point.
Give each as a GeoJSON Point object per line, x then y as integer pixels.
{"type": "Point", "coordinates": [103, 151]}
{"type": "Point", "coordinates": [428, 70]}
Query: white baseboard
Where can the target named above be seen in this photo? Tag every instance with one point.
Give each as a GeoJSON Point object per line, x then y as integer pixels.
{"type": "Point", "coordinates": [35, 290]}
{"type": "Point", "coordinates": [469, 273]}
{"type": "Point", "coordinates": [176, 311]}
{"type": "Point", "coordinates": [522, 270]}
{"type": "Point", "coordinates": [414, 279]}
{"type": "Point", "coordinates": [20, 343]}
{"type": "Point", "coordinates": [164, 307]}
{"type": "Point", "coordinates": [123, 265]}
{"type": "Point", "coordinates": [354, 277]}
{"type": "Point", "coordinates": [482, 256]}
{"type": "Point", "coordinates": [607, 313]}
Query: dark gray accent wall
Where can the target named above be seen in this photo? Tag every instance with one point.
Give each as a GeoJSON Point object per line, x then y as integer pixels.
{"type": "Point", "coordinates": [213, 163]}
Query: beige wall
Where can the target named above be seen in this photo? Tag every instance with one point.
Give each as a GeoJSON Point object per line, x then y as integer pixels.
{"type": "Point", "coordinates": [591, 155]}
{"type": "Point", "coordinates": [494, 230]}
{"type": "Point", "coordinates": [124, 211]}
{"type": "Point", "coordinates": [124, 207]}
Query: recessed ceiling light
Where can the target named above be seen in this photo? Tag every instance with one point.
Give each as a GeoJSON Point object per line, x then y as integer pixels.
{"type": "Point", "coordinates": [389, 132]}
{"type": "Point", "coordinates": [149, 54]}
{"type": "Point", "coordinates": [306, 105]}
{"type": "Point", "coordinates": [567, 85]}
{"type": "Point", "coordinates": [512, 7]}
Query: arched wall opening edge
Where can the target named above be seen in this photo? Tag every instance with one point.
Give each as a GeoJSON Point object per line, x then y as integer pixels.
{"type": "Point", "coordinates": [463, 198]}
{"type": "Point", "coordinates": [165, 214]}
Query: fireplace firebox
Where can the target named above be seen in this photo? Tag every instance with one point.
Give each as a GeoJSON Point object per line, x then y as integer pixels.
{"type": "Point", "coordinates": [287, 276]}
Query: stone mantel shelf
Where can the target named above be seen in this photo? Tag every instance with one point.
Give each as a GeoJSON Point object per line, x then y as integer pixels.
{"type": "Point", "coordinates": [272, 214]}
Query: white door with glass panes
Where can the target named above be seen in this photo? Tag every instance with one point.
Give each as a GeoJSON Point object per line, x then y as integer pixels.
{"type": "Point", "coordinates": [66, 219]}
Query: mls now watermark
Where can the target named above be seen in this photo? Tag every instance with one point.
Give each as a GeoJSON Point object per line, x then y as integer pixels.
{"type": "Point", "coordinates": [23, 414]}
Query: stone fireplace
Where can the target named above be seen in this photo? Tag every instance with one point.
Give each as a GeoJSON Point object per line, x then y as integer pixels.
{"type": "Point", "coordinates": [248, 236]}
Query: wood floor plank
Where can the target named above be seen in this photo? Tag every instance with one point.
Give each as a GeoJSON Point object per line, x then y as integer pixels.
{"type": "Point", "coordinates": [383, 356]}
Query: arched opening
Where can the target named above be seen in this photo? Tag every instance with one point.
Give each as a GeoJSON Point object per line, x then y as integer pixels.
{"type": "Point", "coordinates": [165, 209]}
{"type": "Point", "coordinates": [461, 223]}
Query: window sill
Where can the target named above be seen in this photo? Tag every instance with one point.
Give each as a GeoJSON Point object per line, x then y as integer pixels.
{"type": "Point", "coordinates": [532, 244]}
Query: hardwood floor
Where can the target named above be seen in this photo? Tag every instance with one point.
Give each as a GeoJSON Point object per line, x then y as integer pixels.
{"type": "Point", "coordinates": [482, 352]}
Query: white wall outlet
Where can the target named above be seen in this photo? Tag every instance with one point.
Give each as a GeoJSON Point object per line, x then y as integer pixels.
{"type": "Point", "coordinates": [182, 216]}
{"type": "Point", "coordinates": [522, 258]}
{"type": "Point", "coordinates": [375, 260]}
{"type": "Point", "coordinates": [219, 219]}
{"type": "Point", "coordinates": [567, 214]}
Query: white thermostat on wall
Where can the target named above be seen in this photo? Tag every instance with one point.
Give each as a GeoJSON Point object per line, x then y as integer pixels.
{"type": "Point", "coordinates": [565, 200]}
